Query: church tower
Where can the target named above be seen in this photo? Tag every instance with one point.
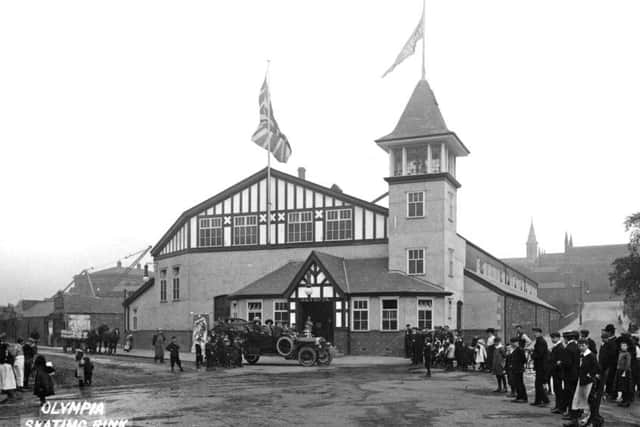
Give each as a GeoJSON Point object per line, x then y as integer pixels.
{"type": "Point", "coordinates": [422, 195]}
{"type": "Point", "coordinates": [532, 244]}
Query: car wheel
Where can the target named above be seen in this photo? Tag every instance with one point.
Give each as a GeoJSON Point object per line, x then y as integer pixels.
{"type": "Point", "coordinates": [252, 355]}
{"type": "Point", "coordinates": [307, 356]}
{"type": "Point", "coordinates": [324, 357]}
{"type": "Point", "coordinates": [284, 346]}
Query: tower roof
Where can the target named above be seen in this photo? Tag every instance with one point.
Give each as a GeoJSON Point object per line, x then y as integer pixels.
{"type": "Point", "coordinates": [532, 234]}
{"type": "Point", "coordinates": [422, 119]}
{"type": "Point", "coordinates": [421, 116]}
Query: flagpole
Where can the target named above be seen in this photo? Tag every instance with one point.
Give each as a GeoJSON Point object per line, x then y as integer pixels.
{"type": "Point", "coordinates": [268, 160]}
{"type": "Point", "coordinates": [424, 38]}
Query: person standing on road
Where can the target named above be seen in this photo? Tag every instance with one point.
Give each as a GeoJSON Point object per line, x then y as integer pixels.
{"type": "Point", "coordinates": [624, 380]}
{"type": "Point", "coordinates": [558, 360]}
{"type": "Point", "coordinates": [571, 373]}
{"type": "Point", "coordinates": [158, 342]}
{"type": "Point", "coordinates": [7, 377]}
{"type": "Point", "coordinates": [18, 364]}
{"type": "Point", "coordinates": [518, 364]}
{"type": "Point", "coordinates": [174, 354]}
{"type": "Point", "coordinates": [43, 383]}
{"type": "Point", "coordinates": [407, 342]}
{"type": "Point", "coordinates": [29, 354]}
{"type": "Point", "coordinates": [498, 365]}
{"type": "Point", "coordinates": [491, 336]}
{"type": "Point", "coordinates": [539, 355]}
{"type": "Point", "coordinates": [584, 334]}
{"type": "Point", "coordinates": [428, 354]}
{"type": "Point", "coordinates": [588, 372]}
{"type": "Point", "coordinates": [608, 358]}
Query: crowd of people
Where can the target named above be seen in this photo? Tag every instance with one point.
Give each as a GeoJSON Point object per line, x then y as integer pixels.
{"type": "Point", "coordinates": [20, 362]}
{"type": "Point", "coordinates": [572, 368]}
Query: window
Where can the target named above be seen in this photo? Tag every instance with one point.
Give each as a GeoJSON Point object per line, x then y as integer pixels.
{"type": "Point", "coordinates": [339, 224]}
{"type": "Point", "coordinates": [361, 315]}
{"type": "Point", "coordinates": [254, 310]}
{"type": "Point", "coordinates": [163, 285]}
{"type": "Point", "coordinates": [415, 204]}
{"type": "Point", "coordinates": [397, 161]}
{"type": "Point", "coordinates": [425, 313]}
{"type": "Point", "coordinates": [416, 160]}
{"type": "Point", "coordinates": [281, 312]}
{"type": "Point", "coordinates": [450, 308]}
{"type": "Point", "coordinates": [415, 261]}
{"type": "Point", "coordinates": [389, 314]}
{"type": "Point", "coordinates": [450, 262]}
{"type": "Point", "coordinates": [176, 283]}
{"type": "Point", "coordinates": [452, 212]}
{"type": "Point", "coordinates": [300, 227]}
{"type": "Point", "coordinates": [245, 230]}
{"type": "Point", "coordinates": [435, 158]}
{"type": "Point", "coordinates": [210, 232]}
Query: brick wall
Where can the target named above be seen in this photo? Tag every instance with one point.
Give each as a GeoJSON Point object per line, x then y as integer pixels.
{"type": "Point", "coordinates": [376, 343]}
{"type": "Point", "coordinates": [341, 340]}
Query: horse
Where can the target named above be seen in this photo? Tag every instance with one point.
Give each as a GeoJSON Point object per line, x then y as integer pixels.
{"type": "Point", "coordinates": [102, 341]}
{"type": "Point", "coordinates": [110, 340]}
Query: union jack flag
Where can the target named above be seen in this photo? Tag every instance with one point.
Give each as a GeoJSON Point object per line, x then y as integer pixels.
{"type": "Point", "coordinates": [268, 134]}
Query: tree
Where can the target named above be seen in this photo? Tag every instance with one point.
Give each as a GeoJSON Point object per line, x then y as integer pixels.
{"type": "Point", "coordinates": [625, 277]}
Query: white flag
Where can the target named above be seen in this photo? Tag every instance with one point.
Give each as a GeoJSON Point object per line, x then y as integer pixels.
{"type": "Point", "coordinates": [409, 47]}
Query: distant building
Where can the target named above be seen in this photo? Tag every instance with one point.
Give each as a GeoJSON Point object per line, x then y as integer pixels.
{"type": "Point", "coordinates": [359, 270]}
{"type": "Point", "coordinates": [110, 282]}
{"type": "Point", "coordinates": [562, 276]}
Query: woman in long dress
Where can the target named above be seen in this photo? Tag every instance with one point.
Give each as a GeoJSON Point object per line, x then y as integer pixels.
{"type": "Point", "coordinates": [159, 347]}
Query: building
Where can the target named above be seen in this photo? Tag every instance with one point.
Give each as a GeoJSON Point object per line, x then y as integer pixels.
{"type": "Point", "coordinates": [361, 271]}
{"type": "Point", "coordinates": [109, 282]}
{"type": "Point", "coordinates": [580, 273]}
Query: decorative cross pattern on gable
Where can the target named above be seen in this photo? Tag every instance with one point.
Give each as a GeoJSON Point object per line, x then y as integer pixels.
{"type": "Point", "coordinates": [315, 285]}
{"type": "Point", "coordinates": [290, 200]}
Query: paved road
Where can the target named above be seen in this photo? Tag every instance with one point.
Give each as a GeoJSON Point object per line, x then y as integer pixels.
{"type": "Point", "coordinates": [595, 315]}
{"type": "Point", "coordinates": [287, 394]}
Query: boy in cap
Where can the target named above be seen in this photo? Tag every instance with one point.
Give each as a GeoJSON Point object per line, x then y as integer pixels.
{"type": "Point", "coordinates": [571, 373]}
{"type": "Point", "coordinates": [558, 361]}
{"type": "Point", "coordinates": [174, 354]}
{"type": "Point", "coordinates": [588, 373]}
{"type": "Point", "coordinates": [539, 355]}
{"type": "Point", "coordinates": [518, 364]}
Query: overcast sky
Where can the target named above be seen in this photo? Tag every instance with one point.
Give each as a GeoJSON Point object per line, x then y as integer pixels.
{"type": "Point", "coordinates": [117, 116]}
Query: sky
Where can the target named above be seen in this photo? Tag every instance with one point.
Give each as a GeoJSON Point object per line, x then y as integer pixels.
{"type": "Point", "coordinates": [115, 117]}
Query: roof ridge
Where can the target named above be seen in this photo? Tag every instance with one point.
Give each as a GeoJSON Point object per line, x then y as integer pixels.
{"type": "Point", "coordinates": [346, 275]}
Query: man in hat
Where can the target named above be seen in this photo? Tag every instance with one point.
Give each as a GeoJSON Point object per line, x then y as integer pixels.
{"type": "Point", "coordinates": [584, 334]}
{"type": "Point", "coordinates": [608, 359]}
{"type": "Point", "coordinates": [521, 335]}
{"type": "Point", "coordinates": [518, 364]}
{"type": "Point", "coordinates": [571, 373]}
{"type": "Point", "coordinates": [408, 351]}
{"type": "Point", "coordinates": [7, 376]}
{"type": "Point", "coordinates": [491, 346]}
{"type": "Point", "coordinates": [29, 352]}
{"type": "Point", "coordinates": [558, 361]}
{"type": "Point", "coordinates": [539, 355]}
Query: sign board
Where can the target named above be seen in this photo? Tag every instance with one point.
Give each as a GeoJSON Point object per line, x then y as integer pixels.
{"type": "Point", "coordinates": [200, 329]}
{"type": "Point", "coordinates": [77, 326]}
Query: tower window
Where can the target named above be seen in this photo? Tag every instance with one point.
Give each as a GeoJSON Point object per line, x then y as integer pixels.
{"type": "Point", "coordinates": [415, 204]}
{"type": "Point", "coordinates": [436, 158]}
{"type": "Point", "coordinates": [450, 262]}
{"type": "Point", "coordinates": [451, 206]}
{"type": "Point", "coordinates": [415, 261]}
{"type": "Point", "coordinates": [417, 160]}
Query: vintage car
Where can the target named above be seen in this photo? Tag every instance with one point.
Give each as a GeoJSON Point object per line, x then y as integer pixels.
{"type": "Point", "coordinates": [307, 350]}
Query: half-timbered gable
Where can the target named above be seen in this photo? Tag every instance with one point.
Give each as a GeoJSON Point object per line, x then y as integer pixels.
{"type": "Point", "coordinates": [302, 214]}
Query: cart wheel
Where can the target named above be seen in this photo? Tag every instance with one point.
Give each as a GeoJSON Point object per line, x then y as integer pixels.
{"type": "Point", "coordinates": [324, 357]}
{"type": "Point", "coordinates": [284, 346]}
{"type": "Point", "coordinates": [252, 355]}
{"type": "Point", "coordinates": [307, 356]}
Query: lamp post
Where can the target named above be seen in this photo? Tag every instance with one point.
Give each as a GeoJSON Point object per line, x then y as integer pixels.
{"type": "Point", "coordinates": [582, 292]}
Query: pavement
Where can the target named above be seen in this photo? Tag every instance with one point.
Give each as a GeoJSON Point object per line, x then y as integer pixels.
{"type": "Point", "coordinates": [596, 315]}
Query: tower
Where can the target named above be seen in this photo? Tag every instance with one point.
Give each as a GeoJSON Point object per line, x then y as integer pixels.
{"type": "Point", "coordinates": [422, 194]}
{"type": "Point", "coordinates": [532, 244]}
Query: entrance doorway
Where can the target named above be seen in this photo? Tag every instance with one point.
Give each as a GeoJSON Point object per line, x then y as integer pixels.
{"type": "Point", "coordinates": [321, 314]}
{"type": "Point", "coordinates": [459, 316]}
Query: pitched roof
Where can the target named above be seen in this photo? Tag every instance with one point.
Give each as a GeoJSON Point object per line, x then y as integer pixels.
{"type": "Point", "coordinates": [353, 276]}
{"type": "Point", "coordinates": [39, 309]}
{"type": "Point", "coordinates": [142, 289]}
{"type": "Point", "coordinates": [256, 177]}
{"type": "Point", "coordinates": [421, 116]}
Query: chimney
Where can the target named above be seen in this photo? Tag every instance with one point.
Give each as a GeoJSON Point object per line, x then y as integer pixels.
{"type": "Point", "coordinates": [145, 276]}
{"type": "Point", "coordinates": [302, 173]}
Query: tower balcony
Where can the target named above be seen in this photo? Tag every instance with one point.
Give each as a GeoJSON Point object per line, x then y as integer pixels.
{"type": "Point", "coordinates": [421, 159]}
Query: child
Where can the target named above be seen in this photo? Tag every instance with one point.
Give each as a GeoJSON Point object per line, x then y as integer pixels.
{"type": "Point", "coordinates": [88, 370]}
{"type": "Point", "coordinates": [508, 371]}
{"type": "Point", "coordinates": [624, 381]}
{"type": "Point", "coordinates": [18, 364]}
{"type": "Point", "coordinates": [174, 354]}
{"type": "Point", "coordinates": [199, 358]}
{"type": "Point", "coordinates": [451, 355]}
{"type": "Point", "coordinates": [428, 354]}
{"type": "Point", "coordinates": [481, 355]}
{"type": "Point", "coordinates": [498, 365]}
{"type": "Point", "coordinates": [209, 352]}
{"type": "Point", "coordinates": [80, 368]}
{"type": "Point", "coordinates": [236, 353]}
{"type": "Point", "coordinates": [43, 385]}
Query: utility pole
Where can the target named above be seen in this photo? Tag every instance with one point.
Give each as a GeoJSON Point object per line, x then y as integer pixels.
{"type": "Point", "coordinates": [581, 300]}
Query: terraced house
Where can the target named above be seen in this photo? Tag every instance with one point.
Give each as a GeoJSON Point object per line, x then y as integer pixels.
{"type": "Point", "coordinates": [359, 270]}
